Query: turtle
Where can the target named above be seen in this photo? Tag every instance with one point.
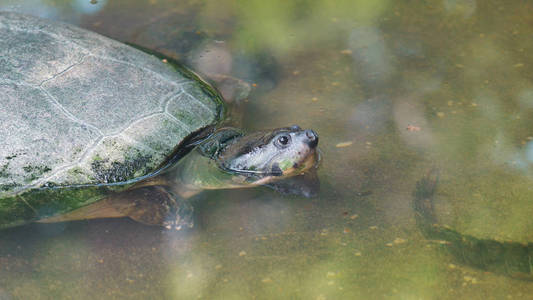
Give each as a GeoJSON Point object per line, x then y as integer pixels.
{"type": "Point", "coordinates": [509, 258]}
{"type": "Point", "coordinates": [95, 128]}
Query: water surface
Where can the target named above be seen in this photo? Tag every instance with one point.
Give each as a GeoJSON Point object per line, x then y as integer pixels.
{"type": "Point", "coordinates": [394, 89]}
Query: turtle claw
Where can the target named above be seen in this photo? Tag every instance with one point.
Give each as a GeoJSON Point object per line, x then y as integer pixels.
{"type": "Point", "coordinates": [178, 225]}
{"type": "Point", "coordinates": [182, 219]}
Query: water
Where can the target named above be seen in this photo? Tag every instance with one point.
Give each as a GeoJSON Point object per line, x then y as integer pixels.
{"type": "Point", "coordinates": [393, 89]}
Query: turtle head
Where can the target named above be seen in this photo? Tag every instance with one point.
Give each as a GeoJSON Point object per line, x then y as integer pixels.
{"type": "Point", "coordinates": [270, 155]}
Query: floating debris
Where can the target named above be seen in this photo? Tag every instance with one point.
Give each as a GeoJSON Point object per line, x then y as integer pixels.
{"type": "Point", "coordinates": [330, 274]}
{"type": "Point", "coordinates": [412, 128]}
{"type": "Point", "coordinates": [358, 253]}
{"type": "Point", "coordinates": [470, 279]}
{"type": "Point", "coordinates": [398, 241]}
{"type": "Point", "coordinates": [164, 60]}
{"type": "Point", "coordinates": [519, 65]}
{"type": "Point", "coordinates": [266, 280]}
{"type": "Point", "coordinates": [344, 144]}
{"type": "Point", "coordinates": [373, 227]}
{"type": "Point", "coordinates": [353, 217]}
{"type": "Point", "coordinates": [440, 114]}
{"type": "Point", "coordinates": [346, 51]}
{"type": "Point", "coordinates": [218, 267]}
{"type": "Point", "coordinates": [242, 253]}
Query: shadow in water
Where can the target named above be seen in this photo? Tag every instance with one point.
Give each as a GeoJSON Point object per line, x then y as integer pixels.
{"type": "Point", "coordinates": [509, 258]}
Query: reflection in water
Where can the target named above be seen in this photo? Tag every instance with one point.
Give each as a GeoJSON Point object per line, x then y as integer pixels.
{"type": "Point", "coordinates": [38, 8]}
{"type": "Point", "coordinates": [509, 258]}
{"type": "Point", "coordinates": [461, 7]}
{"type": "Point", "coordinates": [88, 7]}
{"type": "Point", "coordinates": [360, 72]}
{"type": "Point", "coordinates": [529, 152]}
{"type": "Point", "coordinates": [371, 57]}
{"type": "Point", "coordinates": [71, 11]}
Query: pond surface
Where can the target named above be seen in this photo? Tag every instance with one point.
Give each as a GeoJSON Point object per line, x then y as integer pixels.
{"type": "Point", "coordinates": [396, 91]}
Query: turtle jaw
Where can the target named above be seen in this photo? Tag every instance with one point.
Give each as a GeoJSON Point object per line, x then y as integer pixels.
{"type": "Point", "coordinates": [309, 161]}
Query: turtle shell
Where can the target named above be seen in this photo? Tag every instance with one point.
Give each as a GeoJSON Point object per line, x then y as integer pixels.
{"type": "Point", "coordinates": [82, 114]}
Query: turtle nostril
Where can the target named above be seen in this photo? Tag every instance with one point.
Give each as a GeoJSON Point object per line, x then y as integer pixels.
{"type": "Point", "coordinates": [310, 134]}
{"type": "Point", "coordinates": [312, 138]}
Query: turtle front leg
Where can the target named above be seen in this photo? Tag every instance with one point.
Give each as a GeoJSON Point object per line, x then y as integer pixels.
{"type": "Point", "coordinates": [154, 205]}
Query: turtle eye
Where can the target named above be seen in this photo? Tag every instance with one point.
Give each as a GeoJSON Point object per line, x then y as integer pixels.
{"type": "Point", "coordinates": [283, 140]}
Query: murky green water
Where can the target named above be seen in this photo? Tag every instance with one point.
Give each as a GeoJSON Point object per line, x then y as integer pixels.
{"type": "Point", "coordinates": [394, 89]}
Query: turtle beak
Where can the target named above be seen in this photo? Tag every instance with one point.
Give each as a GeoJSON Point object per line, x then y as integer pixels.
{"type": "Point", "coordinates": [311, 138]}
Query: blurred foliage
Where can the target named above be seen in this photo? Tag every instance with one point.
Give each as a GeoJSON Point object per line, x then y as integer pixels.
{"type": "Point", "coordinates": [284, 26]}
